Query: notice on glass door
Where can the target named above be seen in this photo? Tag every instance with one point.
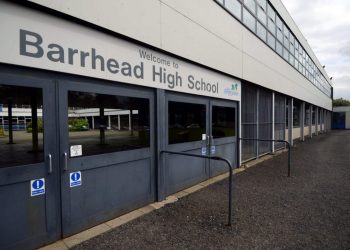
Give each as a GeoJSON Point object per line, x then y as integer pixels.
{"type": "Point", "coordinates": [76, 150]}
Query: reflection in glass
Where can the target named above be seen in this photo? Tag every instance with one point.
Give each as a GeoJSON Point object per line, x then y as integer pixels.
{"type": "Point", "coordinates": [21, 125]}
{"type": "Point", "coordinates": [223, 124]}
{"type": "Point", "coordinates": [107, 123]}
{"type": "Point", "coordinates": [186, 122]}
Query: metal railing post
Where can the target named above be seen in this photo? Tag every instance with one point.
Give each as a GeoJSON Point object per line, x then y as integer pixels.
{"type": "Point", "coordinates": [217, 158]}
{"type": "Point", "coordinates": [286, 142]}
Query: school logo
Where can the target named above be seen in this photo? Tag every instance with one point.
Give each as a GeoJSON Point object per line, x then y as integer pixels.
{"type": "Point", "coordinates": [232, 90]}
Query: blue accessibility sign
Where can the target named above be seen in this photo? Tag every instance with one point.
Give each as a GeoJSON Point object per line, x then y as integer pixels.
{"type": "Point", "coordinates": [37, 187]}
{"type": "Point", "coordinates": [75, 179]}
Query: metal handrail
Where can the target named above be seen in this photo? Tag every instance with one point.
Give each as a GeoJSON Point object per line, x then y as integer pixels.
{"type": "Point", "coordinates": [286, 142]}
{"type": "Point", "coordinates": [217, 158]}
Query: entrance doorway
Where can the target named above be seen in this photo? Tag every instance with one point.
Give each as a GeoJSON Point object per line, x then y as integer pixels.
{"type": "Point", "coordinates": [74, 153]}
{"type": "Point", "coordinates": [197, 125]}
{"type": "Point", "coordinates": [29, 170]}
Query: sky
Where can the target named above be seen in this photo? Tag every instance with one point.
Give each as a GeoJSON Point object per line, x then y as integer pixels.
{"type": "Point", "coordinates": [326, 26]}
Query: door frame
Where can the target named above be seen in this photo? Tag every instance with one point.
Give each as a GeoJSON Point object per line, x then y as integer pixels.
{"type": "Point", "coordinates": [23, 173]}
{"type": "Point", "coordinates": [99, 160]}
{"type": "Point", "coordinates": [209, 102]}
{"type": "Point", "coordinates": [224, 140]}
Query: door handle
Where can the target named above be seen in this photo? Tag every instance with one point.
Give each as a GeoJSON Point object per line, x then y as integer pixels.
{"type": "Point", "coordinates": [65, 161]}
{"type": "Point", "coordinates": [208, 140]}
{"type": "Point", "coordinates": [50, 163]}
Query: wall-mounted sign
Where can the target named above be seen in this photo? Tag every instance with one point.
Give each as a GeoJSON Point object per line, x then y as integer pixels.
{"type": "Point", "coordinates": [75, 179]}
{"type": "Point", "coordinates": [37, 187]}
{"type": "Point", "coordinates": [42, 41]}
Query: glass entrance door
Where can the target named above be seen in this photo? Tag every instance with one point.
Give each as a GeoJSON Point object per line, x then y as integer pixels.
{"type": "Point", "coordinates": [223, 135]}
{"type": "Point", "coordinates": [186, 131]}
{"type": "Point", "coordinates": [29, 211]}
{"type": "Point", "coordinates": [107, 154]}
{"type": "Point", "coordinates": [201, 126]}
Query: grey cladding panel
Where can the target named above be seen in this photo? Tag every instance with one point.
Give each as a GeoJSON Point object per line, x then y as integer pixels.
{"type": "Point", "coordinates": [111, 189]}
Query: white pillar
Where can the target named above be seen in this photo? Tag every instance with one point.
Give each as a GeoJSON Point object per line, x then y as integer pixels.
{"type": "Point", "coordinates": [109, 122]}
{"type": "Point", "coordinates": [93, 122]}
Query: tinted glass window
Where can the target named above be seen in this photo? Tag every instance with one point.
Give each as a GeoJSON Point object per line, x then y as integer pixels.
{"type": "Point", "coordinates": [272, 26]}
{"type": "Point", "coordinates": [107, 123]}
{"type": "Point", "coordinates": [279, 49]}
{"type": "Point", "coordinates": [271, 40]}
{"type": "Point", "coordinates": [251, 5]}
{"type": "Point", "coordinates": [261, 31]}
{"type": "Point", "coordinates": [271, 13]}
{"type": "Point", "coordinates": [249, 20]}
{"type": "Point", "coordinates": [262, 15]}
{"type": "Point", "coordinates": [223, 124]}
{"type": "Point", "coordinates": [186, 122]}
{"type": "Point", "coordinates": [234, 7]}
{"type": "Point", "coordinates": [21, 125]}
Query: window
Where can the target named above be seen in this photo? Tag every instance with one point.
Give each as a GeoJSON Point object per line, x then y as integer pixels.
{"type": "Point", "coordinates": [286, 37]}
{"type": "Point", "coordinates": [251, 5]}
{"type": "Point", "coordinates": [307, 115]}
{"type": "Point", "coordinates": [223, 124]}
{"type": "Point", "coordinates": [271, 26]}
{"type": "Point", "coordinates": [234, 7]}
{"type": "Point", "coordinates": [107, 123]}
{"type": "Point", "coordinates": [279, 48]}
{"type": "Point", "coordinates": [296, 115]}
{"type": "Point", "coordinates": [296, 64]}
{"type": "Point", "coordinates": [249, 20]}
{"type": "Point", "coordinates": [21, 143]}
{"type": "Point", "coordinates": [279, 29]}
{"type": "Point", "coordinates": [291, 59]}
{"type": "Point", "coordinates": [271, 22]}
{"type": "Point", "coordinates": [285, 54]}
{"type": "Point", "coordinates": [261, 31]}
{"type": "Point", "coordinates": [261, 13]}
{"type": "Point", "coordinates": [271, 41]}
{"type": "Point", "coordinates": [186, 122]}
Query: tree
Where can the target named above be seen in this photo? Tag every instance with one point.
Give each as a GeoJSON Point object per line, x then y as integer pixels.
{"type": "Point", "coordinates": [340, 102]}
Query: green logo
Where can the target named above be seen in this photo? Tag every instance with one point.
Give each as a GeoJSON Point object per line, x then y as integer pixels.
{"type": "Point", "coordinates": [234, 87]}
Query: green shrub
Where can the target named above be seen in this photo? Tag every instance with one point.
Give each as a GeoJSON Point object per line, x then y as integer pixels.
{"type": "Point", "coordinates": [2, 132]}
{"type": "Point", "coordinates": [78, 124]}
{"type": "Point", "coordinates": [40, 126]}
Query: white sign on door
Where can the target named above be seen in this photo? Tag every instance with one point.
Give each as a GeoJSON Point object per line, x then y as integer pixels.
{"type": "Point", "coordinates": [76, 150]}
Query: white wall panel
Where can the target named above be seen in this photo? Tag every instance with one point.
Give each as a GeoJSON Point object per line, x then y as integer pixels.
{"type": "Point", "coordinates": [137, 19]}
{"type": "Point", "coordinates": [184, 37]}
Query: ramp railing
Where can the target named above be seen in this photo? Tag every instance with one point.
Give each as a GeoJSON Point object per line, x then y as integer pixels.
{"type": "Point", "coordinates": [269, 140]}
{"type": "Point", "coordinates": [216, 158]}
